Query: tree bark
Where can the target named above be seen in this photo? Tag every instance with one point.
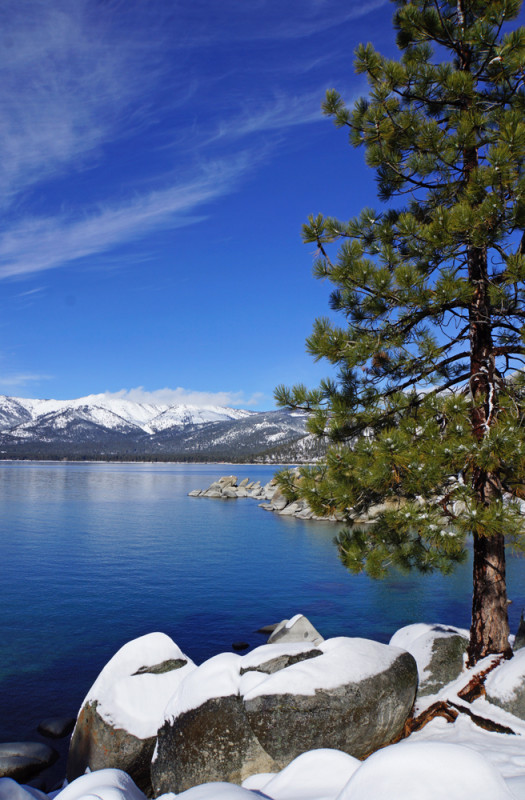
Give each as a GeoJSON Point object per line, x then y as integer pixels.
{"type": "Point", "coordinates": [489, 632]}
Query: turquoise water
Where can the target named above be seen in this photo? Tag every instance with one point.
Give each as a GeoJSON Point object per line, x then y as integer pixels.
{"type": "Point", "coordinates": [94, 555]}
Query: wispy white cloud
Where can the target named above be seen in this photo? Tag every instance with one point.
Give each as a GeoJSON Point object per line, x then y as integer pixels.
{"type": "Point", "coordinates": [38, 244]}
{"type": "Point", "coordinates": [281, 113]}
{"type": "Point", "coordinates": [70, 82]}
{"type": "Point", "coordinates": [187, 397]}
{"type": "Point", "coordinates": [19, 380]}
{"type": "Point", "coordinates": [30, 292]}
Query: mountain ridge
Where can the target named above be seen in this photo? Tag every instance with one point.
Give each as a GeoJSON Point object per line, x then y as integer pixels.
{"type": "Point", "coordinates": [97, 426]}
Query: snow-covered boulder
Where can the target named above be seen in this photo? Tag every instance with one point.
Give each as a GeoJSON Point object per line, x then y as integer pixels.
{"type": "Point", "coordinates": [118, 721]}
{"type": "Point", "coordinates": [235, 716]}
{"type": "Point", "coordinates": [297, 629]}
{"type": "Point", "coordinates": [505, 685]}
{"type": "Point", "coordinates": [105, 784]}
{"type": "Point", "coordinates": [310, 776]}
{"type": "Point", "coordinates": [439, 651]}
{"type": "Point", "coordinates": [429, 770]}
{"type": "Point", "coordinates": [11, 790]}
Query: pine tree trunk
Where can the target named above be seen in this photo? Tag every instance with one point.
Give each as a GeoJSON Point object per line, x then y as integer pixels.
{"type": "Point", "coordinates": [489, 632]}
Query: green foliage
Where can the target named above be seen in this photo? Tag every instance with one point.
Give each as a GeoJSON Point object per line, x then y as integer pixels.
{"type": "Point", "coordinates": [426, 414]}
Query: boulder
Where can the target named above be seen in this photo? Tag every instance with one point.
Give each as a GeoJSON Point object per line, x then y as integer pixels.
{"type": "Point", "coordinates": [235, 716]}
{"type": "Point", "coordinates": [56, 727]}
{"type": "Point", "coordinates": [118, 722]}
{"type": "Point", "coordinates": [297, 629]}
{"type": "Point", "coordinates": [505, 685]}
{"type": "Point", "coordinates": [279, 501]}
{"type": "Point", "coordinates": [21, 761]}
{"type": "Point", "coordinates": [439, 651]}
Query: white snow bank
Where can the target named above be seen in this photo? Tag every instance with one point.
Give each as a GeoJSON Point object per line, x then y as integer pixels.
{"type": "Point", "coordinates": [505, 680]}
{"type": "Point", "coordinates": [104, 784]}
{"type": "Point", "coordinates": [418, 640]}
{"type": "Point", "coordinates": [136, 702]}
{"type": "Point", "coordinates": [217, 677]}
{"type": "Point", "coordinates": [212, 791]}
{"type": "Point", "coordinates": [11, 790]}
{"type": "Point", "coordinates": [317, 774]}
{"type": "Point", "coordinates": [343, 661]}
{"type": "Point", "coordinates": [430, 770]}
{"type": "Point", "coordinates": [257, 781]}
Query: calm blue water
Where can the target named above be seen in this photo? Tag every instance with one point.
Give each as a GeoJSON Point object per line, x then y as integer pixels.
{"type": "Point", "coordinates": [94, 555]}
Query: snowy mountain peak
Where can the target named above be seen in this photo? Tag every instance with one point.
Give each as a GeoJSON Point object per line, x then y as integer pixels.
{"type": "Point", "coordinates": [110, 412]}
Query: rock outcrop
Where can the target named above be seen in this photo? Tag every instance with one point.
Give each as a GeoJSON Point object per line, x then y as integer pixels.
{"type": "Point", "coordinates": [227, 488]}
{"type": "Point", "coordinates": [238, 715]}
{"type": "Point", "coordinates": [118, 721]}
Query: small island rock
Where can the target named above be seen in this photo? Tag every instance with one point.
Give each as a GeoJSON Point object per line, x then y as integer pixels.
{"type": "Point", "coordinates": [56, 727]}
{"type": "Point", "coordinates": [23, 760]}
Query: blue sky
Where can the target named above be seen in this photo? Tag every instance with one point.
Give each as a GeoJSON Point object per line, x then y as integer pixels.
{"type": "Point", "coordinates": [159, 159]}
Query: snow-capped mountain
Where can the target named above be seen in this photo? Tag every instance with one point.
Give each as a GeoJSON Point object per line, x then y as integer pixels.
{"type": "Point", "coordinates": [100, 426]}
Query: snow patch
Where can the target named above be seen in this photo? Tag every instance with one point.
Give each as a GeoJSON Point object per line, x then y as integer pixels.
{"type": "Point", "coordinates": [504, 681]}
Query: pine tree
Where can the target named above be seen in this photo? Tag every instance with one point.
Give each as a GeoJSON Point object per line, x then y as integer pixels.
{"type": "Point", "coordinates": [426, 415]}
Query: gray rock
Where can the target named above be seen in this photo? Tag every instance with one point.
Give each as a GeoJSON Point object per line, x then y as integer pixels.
{"type": "Point", "coordinates": [195, 493]}
{"type": "Point", "coordinates": [118, 722]}
{"type": "Point", "coordinates": [23, 760]}
{"type": "Point", "coordinates": [279, 501]}
{"type": "Point", "coordinates": [56, 727]}
{"type": "Point", "coordinates": [297, 629]}
{"type": "Point", "coordinates": [213, 742]}
{"type": "Point", "coordinates": [439, 651]}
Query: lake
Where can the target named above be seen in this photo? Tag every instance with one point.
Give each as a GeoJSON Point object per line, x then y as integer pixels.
{"type": "Point", "coordinates": [94, 555]}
